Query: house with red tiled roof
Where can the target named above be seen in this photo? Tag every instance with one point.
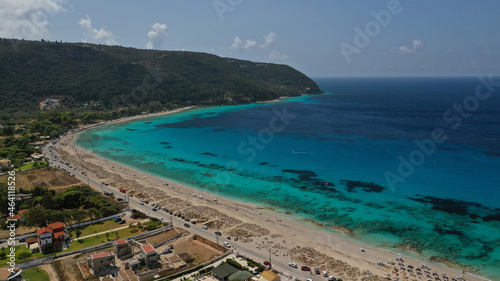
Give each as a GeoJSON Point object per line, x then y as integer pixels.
{"type": "Point", "coordinates": [101, 262]}
{"type": "Point", "coordinates": [45, 236]}
{"type": "Point", "coordinates": [20, 216]}
{"type": "Point", "coordinates": [122, 248]}
{"type": "Point", "coordinates": [54, 233]}
{"type": "Point", "coordinates": [32, 244]}
{"type": "Point", "coordinates": [150, 255]}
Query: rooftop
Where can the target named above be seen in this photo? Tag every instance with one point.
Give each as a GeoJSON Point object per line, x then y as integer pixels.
{"type": "Point", "coordinates": [56, 225]}
{"type": "Point", "coordinates": [43, 230]}
{"type": "Point", "coordinates": [148, 248]}
{"type": "Point", "coordinates": [242, 275]}
{"type": "Point", "coordinates": [101, 255]}
{"type": "Point", "coordinates": [21, 212]}
{"type": "Point", "coordinates": [224, 270]}
{"type": "Point", "coordinates": [119, 242]}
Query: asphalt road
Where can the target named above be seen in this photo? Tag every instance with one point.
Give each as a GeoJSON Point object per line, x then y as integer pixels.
{"type": "Point", "coordinates": [278, 263]}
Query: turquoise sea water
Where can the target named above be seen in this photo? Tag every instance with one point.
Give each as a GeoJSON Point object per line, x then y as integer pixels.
{"type": "Point", "coordinates": [328, 158]}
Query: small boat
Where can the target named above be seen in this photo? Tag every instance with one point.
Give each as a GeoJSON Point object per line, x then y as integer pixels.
{"type": "Point", "coordinates": [380, 263]}
{"type": "Point", "coordinates": [391, 262]}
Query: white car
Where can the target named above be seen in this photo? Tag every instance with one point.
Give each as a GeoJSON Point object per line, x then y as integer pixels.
{"type": "Point", "coordinates": [292, 264]}
{"type": "Point", "coordinates": [227, 244]}
{"type": "Point", "coordinates": [325, 274]}
{"type": "Point", "coordinates": [204, 227]}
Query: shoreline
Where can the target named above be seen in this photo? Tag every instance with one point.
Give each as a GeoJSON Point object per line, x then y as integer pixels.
{"type": "Point", "coordinates": [293, 228]}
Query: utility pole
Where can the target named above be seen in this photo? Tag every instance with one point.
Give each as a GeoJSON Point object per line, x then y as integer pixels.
{"type": "Point", "coordinates": [270, 251]}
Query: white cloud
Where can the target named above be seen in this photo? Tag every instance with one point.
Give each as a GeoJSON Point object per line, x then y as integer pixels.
{"type": "Point", "coordinates": [27, 19]}
{"type": "Point", "coordinates": [93, 35]}
{"type": "Point", "coordinates": [277, 55]}
{"type": "Point", "coordinates": [157, 36]}
{"type": "Point", "coordinates": [417, 44]}
{"type": "Point", "coordinates": [269, 38]}
{"type": "Point", "coordinates": [238, 44]}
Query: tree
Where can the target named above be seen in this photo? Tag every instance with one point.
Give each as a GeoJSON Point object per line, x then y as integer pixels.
{"type": "Point", "coordinates": [24, 255]}
{"type": "Point", "coordinates": [107, 236]}
{"type": "Point", "coordinates": [8, 131]}
{"type": "Point", "coordinates": [78, 215]}
{"type": "Point", "coordinates": [78, 232]}
{"type": "Point", "coordinates": [36, 217]}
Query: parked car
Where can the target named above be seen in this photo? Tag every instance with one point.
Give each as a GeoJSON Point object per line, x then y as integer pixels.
{"type": "Point", "coordinates": [292, 264]}
{"type": "Point", "coordinates": [325, 274]}
{"type": "Point", "coordinates": [187, 225]}
{"type": "Point", "coordinates": [332, 278]}
{"type": "Point", "coordinates": [204, 227]}
{"type": "Point", "coordinates": [227, 244]}
{"type": "Point", "coordinates": [235, 238]}
{"type": "Point", "coordinates": [193, 222]}
{"type": "Point", "coordinates": [305, 268]}
{"type": "Point", "coordinates": [117, 219]}
{"type": "Point", "coordinates": [267, 263]}
{"type": "Point", "coordinates": [316, 270]}
{"type": "Point", "coordinates": [218, 233]}
{"type": "Point", "coordinates": [123, 221]}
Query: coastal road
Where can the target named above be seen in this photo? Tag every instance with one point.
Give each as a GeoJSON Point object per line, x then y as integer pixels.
{"type": "Point", "coordinates": [278, 263]}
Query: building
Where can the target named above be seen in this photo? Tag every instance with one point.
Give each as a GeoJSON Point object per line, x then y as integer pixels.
{"type": "Point", "coordinates": [122, 248]}
{"type": "Point", "coordinates": [269, 275]}
{"type": "Point", "coordinates": [22, 197]}
{"type": "Point", "coordinates": [54, 233]}
{"type": "Point", "coordinates": [45, 236]}
{"type": "Point", "coordinates": [240, 276]}
{"type": "Point", "coordinates": [134, 264]}
{"type": "Point", "coordinates": [5, 164]}
{"type": "Point", "coordinates": [32, 244]}
{"type": "Point", "coordinates": [101, 262]}
{"type": "Point", "coordinates": [11, 274]}
{"type": "Point", "coordinates": [20, 216]}
{"type": "Point", "coordinates": [59, 230]}
{"type": "Point", "coordinates": [49, 104]}
{"type": "Point", "coordinates": [151, 257]}
{"type": "Point", "coordinates": [223, 271]}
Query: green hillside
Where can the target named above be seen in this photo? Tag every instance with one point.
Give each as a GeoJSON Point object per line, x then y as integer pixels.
{"type": "Point", "coordinates": [115, 77]}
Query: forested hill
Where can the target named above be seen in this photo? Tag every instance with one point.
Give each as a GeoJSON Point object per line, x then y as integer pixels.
{"type": "Point", "coordinates": [114, 76]}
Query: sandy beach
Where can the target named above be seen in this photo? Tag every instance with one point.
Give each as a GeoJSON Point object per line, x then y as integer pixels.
{"type": "Point", "coordinates": [291, 239]}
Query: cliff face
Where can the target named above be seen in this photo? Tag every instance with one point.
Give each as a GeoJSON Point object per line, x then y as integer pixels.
{"type": "Point", "coordinates": [118, 76]}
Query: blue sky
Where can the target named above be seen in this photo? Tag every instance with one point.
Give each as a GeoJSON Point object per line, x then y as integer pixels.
{"type": "Point", "coordinates": [319, 38]}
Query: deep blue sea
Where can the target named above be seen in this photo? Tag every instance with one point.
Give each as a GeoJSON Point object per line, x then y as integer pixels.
{"type": "Point", "coordinates": [404, 163]}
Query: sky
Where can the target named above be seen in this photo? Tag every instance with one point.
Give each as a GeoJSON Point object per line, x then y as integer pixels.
{"type": "Point", "coordinates": [319, 38]}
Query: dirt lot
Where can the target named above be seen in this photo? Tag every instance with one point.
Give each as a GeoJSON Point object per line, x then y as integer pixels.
{"type": "Point", "coordinates": [52, 179]}
{"type": "Point", "coordinates": [162, 237]}
{"type": "Point", "coordinates": [200, 252]}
